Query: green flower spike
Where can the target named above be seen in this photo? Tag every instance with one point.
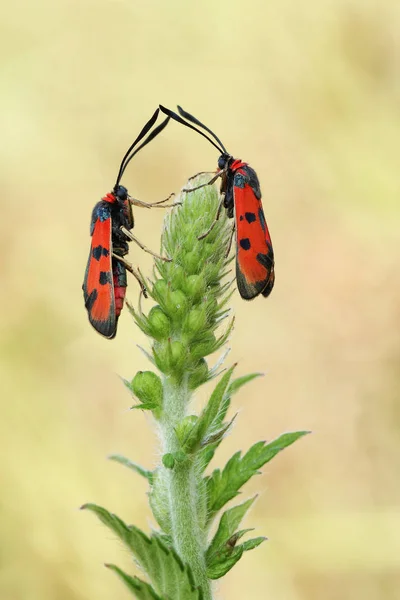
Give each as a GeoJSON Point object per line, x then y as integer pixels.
{"type": "Point", "coordinates": [181, 559]}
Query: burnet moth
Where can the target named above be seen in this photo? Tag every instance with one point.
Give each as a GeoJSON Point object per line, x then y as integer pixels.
{"type": "Point", "coordinates": [241, 197]}
{"type": "Point", "coordinates": [105, 281]}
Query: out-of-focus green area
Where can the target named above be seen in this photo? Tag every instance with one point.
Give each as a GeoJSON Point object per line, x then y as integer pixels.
{"type": "Point", "coordinates": [309, 94]}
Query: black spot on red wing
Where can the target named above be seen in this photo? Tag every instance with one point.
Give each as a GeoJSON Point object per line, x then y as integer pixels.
{"type": "Point", "coordinates": [262, 218]}
{"type": "Point", "coordinates": [91, 300]}
{"type": "Point", "coordinates": [96, 252]}
{"type": "Point", "coordinates": [245, 243]}
{"type": "Point", "coordinates": [250, 217]}
{"type": "Point", "coordinates": [104, 277]}
{"type": "Point", "coordinates": [241, 218]}
{"type": "Point", "coordinates": [99, 251]}
{"type": "Point", "coordinates": [270, 284]}
{"type": "Point", "coordinates": [265, 260]}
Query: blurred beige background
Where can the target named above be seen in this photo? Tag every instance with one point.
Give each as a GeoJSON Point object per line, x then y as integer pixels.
{"type": "Point", "coordinates": [309, 94]}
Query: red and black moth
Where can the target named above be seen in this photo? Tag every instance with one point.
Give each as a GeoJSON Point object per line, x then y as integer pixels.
{"type": "Point", "coordinates": [105, 282]}
{"type": "Point", "coordinates": [241, 197]}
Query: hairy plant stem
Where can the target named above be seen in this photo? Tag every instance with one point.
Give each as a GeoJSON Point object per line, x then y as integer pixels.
{"type": "Point", "coordinates": [180, 561]}
{"type": "Point", "coordinates": [183, 483]}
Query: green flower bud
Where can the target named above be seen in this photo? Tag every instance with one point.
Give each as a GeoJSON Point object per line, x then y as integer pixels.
{"type": "Point", "coordinates": [178, 354]}
{"type": "Point", "coordinates": [195, 321]}
{"type": "Point", "coordinates": [160, 290]}
{"type": "Point", "coordinates": [199, 375]}
{"type": "Point", "coordinates": [161, 354]}
{"type": "Point", "coordinates": [158, 324]}
{"type": "Point", "coordinates": [177, 276]}
{"type": "Point", "coordinates": [212, 251]}
{"type": "Point", "coordinates": [176, 305]}
{"type": "Point", "coordinates": [191, 262]}
{"type": "Point", "coordinates": [194, 287]}
{"type": "Point", "coordinates": [184, 428]}
{"type": "Point", "coordinates": [211, 307]}
{"type": "Point", "coordinates": [147, 386]}
{"type": "Point", "coordinates": [190, 242]}
{"type": "Point", "coordinates": [171, 459]}
{"type": "Point", "coordinates": [170, 356]}
{"type": "Point", "coordinates": [168, 461]}
{"type": "Point", "coordinates": [203, 348]}
{"type": "Point", "coordinates": [180, 456]}
{"type": "Point", "coordinates": [212, 272]}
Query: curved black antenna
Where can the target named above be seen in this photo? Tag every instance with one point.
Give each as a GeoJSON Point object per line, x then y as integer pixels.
{"type": "Point", "coordinates": [176, 117]}
{"type": "Point", "coordinates": [193, 119]}
{"type": "Point", "coordinates": [141, 135]}
{"type": "Point", "coordinates": [150, 137]}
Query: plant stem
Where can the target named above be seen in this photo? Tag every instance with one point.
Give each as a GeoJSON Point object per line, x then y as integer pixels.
{"type": "Point", "coordinates": [189, 538]}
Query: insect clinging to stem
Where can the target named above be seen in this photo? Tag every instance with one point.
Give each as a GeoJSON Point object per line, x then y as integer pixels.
{"type": "Point", "coordinates": [241, 197]}
{"type": "Point", "coordinates": [105, 281]}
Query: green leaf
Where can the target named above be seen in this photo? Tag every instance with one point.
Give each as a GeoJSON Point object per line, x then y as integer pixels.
{"type": "Point", "coordinates": [253, 543]}
{"type": "Point", "coordinates": [213, 372]}
{"type": "Point", "coordinates": [228, 524]}
{"type": "Point", "coordinates": [168, 575]}
{"type": "Point", "coordinates": [159, 500]}
{"type": "Point", "coordinates": [223, 552]}
{"type": "Point", "coordinates": [237, 536]}
{"type": "Point", "coordinates": [221, 566]}
{"type": "Point", "coordinates": [139, 588]}
{"type": "Point", "coordinates": [147, 355]}
{"type": "Point", "coordinates": [234, 387]}
{"type": "Point", "coordinates": [140, 319]}
{"type": "Point", "coordinates": [204, 457]}
{"type": "Point", "coordinates": [147, 406]}
{"type": "Point", "coordinates": [219, 419]}
{"type": "Point", "coordinates": [225, 485]}
{"type": "Point", "coordinates": [215, 437]}
{"type": "Point", "coordinates": [205, 421]}
{"type": "Point", "coordinates": [229, 556]}
{"type": "Point", "coordinates": [219, 428]}
{"type": "Point", "coordinates": [128, 386]}
{"type": "Point", "coordinates": [122, 460]}
{"type": "Point", "coordinates": [241, 381]}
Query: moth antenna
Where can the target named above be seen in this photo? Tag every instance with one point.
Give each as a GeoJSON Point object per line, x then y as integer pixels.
{"type": "Point", "coordinates": [141, 135]}
{"type": "Point", "coordinates": [150, 137]}
{"type": "Point", "coordinates": [179, 119]}
{"type": "Point", "coordinates": [193, 119]}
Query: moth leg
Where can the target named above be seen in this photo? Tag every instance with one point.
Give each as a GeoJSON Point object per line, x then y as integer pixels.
{"type": "Point", "coordinates": [135, 273]}
{"type": "Point", "coordinates": [213, 180]}
{"type": "Point", "coordinates": [230, 240]}
{"type": "Point", "coordinates": [200, 173]}
{"type": "Point", "coordinates": [137, 202]}
{"type": "Point", "coordinates": [130, 236]}
{"type": "Point", "coordinates": [140, 300]}
{"type": "Point", "coordinates": [203, 235]}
